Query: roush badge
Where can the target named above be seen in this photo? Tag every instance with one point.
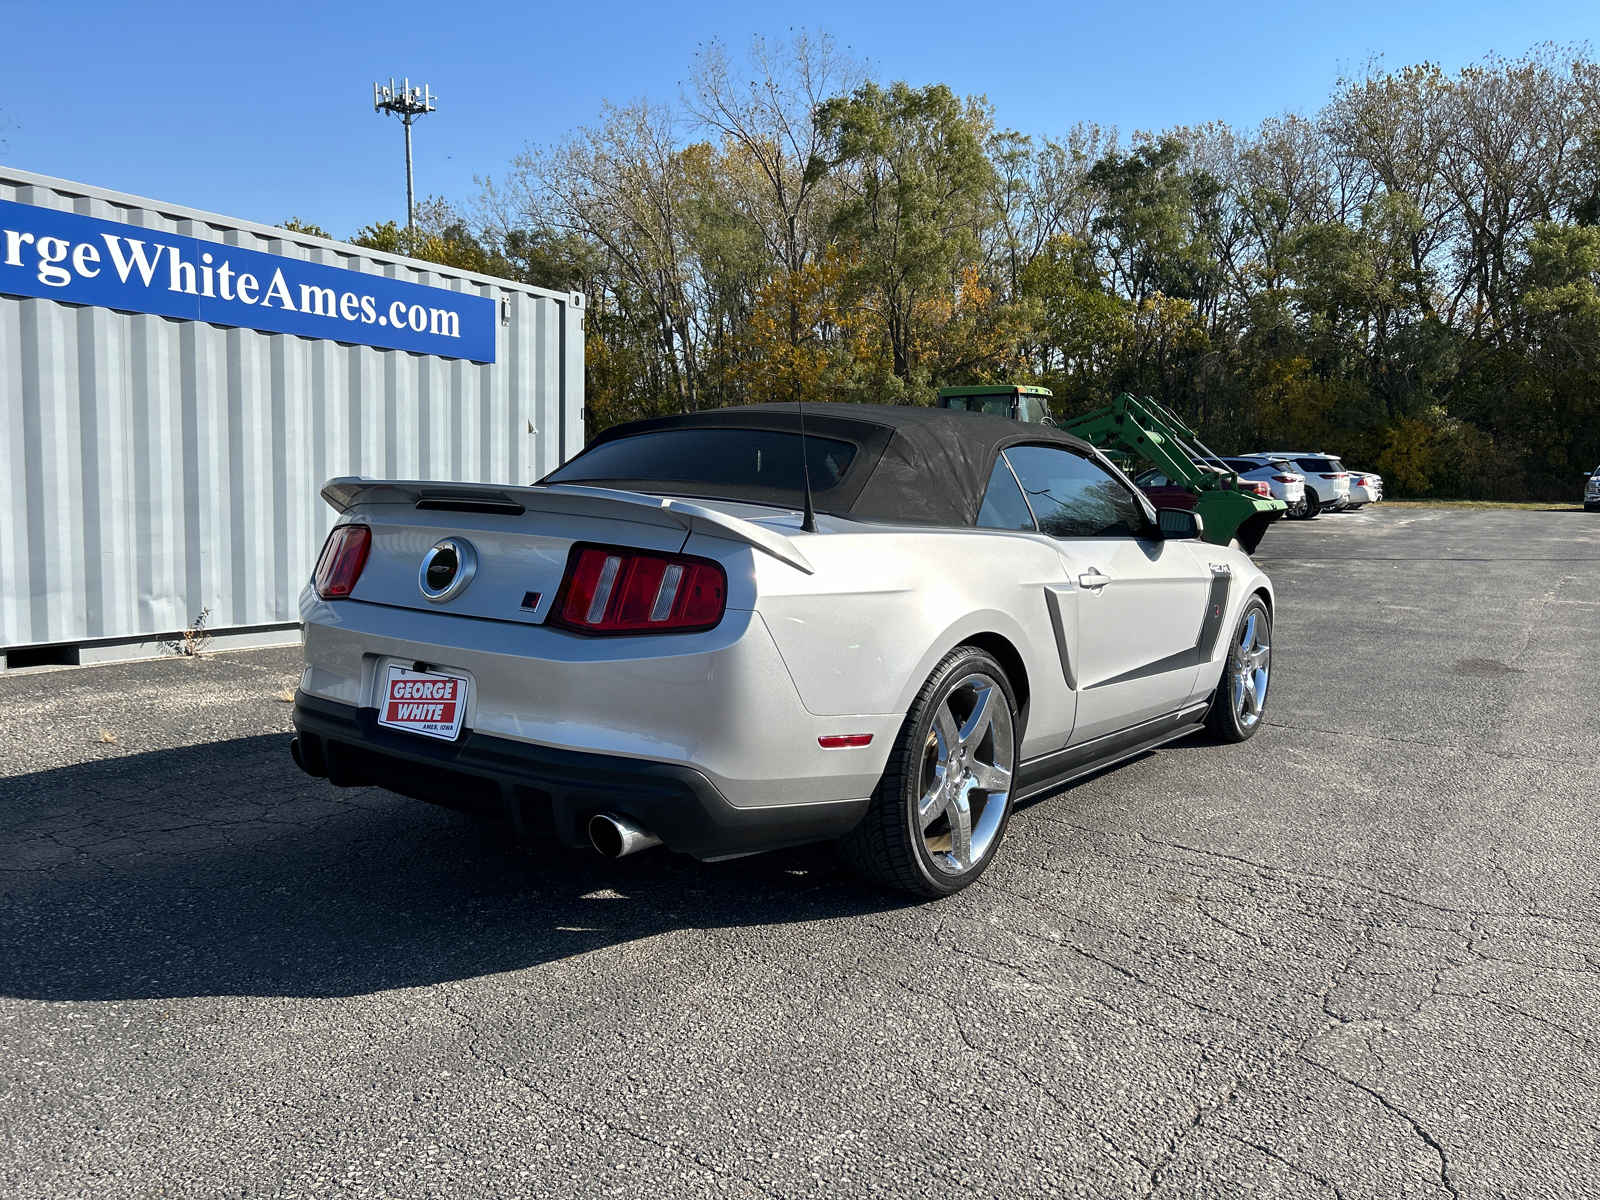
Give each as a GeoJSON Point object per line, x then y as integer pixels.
{"type": "Point", "coordinates": [447, 568]}
{"type": "Point", "coordinates": [423, 702]}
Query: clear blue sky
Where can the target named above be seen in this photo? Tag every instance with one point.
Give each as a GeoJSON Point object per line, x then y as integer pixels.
{"type": "Point", "coordinates": [263, 111]}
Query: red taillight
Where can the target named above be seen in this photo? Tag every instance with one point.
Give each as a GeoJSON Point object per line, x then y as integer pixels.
{"type": "Point", "coordinates": [611, 589]}
{"type": "Point", "coordinates": [839, 741]}
{"type": "Point", "coordinates": [1263, 488]}
{"type": "Point", "coordinates": [342, 560]}
{"type": "Point", "coordinates": [1284, 479]}
{"type": "Point", "coordinates": [1333, 476]}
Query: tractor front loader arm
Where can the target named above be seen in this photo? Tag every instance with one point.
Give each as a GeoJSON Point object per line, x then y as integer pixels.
{"type": "Point", "coordinates": [1146, 430]}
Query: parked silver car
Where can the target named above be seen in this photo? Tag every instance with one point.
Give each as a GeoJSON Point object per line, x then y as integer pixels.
{"type": "Point", "coordinates": [1365, 488]}
{"type": "Point", "coordinates": [659, 643]}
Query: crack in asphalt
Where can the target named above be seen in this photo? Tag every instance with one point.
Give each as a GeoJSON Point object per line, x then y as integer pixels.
{"type": "Point", "coordinates": [1411, 1122]}
{"type": "Point", "coordinates": [1180, 974]}
{"type": "Point", "coordinates": [1321, 1181]}
{"type": "Point", "coordinates": [1307, 873]}
{"type": "Point", "coordinates": [1465, 751]}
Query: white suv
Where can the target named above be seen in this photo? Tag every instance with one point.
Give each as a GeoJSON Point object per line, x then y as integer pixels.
{"type": "Point", "coordinates": [1327, 482]}
{"type": "Point", "coordinates": [1286, 482]}
{"type": "Point", "coordinates": [1591, 492]}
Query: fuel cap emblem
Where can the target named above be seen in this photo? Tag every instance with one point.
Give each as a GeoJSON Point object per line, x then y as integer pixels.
{"type": "Point", "coordinates": [447, 568]}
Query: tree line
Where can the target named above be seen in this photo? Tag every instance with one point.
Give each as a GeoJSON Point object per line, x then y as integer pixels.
{"type": "Point", "coordinates": [1407, 278]}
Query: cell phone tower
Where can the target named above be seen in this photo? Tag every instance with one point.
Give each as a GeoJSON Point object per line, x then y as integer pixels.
{"type": "Point", "coordinates": [408, 103]}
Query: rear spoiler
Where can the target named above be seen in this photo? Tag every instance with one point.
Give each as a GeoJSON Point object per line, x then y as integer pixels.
{"type": "Point", "coordinates": [346, 492]}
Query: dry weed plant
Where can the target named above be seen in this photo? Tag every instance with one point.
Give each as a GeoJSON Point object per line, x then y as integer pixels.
{"type": "Point", "coordinates": [107, 737]}
{"type": "Point", "coordinates": [195, 638]}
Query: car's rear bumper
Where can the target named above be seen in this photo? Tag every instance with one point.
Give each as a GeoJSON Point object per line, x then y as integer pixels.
{"type": "Point", "coordinates": [543, 791]}
{"type": "Point", "coordinates": [721, 703]}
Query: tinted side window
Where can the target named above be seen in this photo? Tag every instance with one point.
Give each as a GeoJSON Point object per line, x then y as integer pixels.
{"type": "Point", "coordinates": [1003, 505]}
{"type": "Point", "coordinates": [1074, 496]}
{"type": "Point", "coordinates": [1000, 406]}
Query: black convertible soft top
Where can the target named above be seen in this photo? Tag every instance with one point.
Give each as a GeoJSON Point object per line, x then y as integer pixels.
{"type": "Point", "coordinates": [911, 463]}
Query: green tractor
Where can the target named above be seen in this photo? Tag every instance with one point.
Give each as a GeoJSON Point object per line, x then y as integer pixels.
{"type": "Point", "coordinates": [1129, 429]}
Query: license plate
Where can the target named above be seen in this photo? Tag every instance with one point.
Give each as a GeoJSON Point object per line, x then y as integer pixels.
{"type": "Point", "coordinates": [423, 702]}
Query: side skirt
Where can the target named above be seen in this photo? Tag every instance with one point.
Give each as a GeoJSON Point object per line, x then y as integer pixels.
{"type": "Point", "coordinates": [1061, 767]}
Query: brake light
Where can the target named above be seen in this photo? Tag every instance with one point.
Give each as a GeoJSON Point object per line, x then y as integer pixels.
{"type": "Point", "coordinates": [1333, 476]}
{"type": "Point", "coordinates": [612, 589]}
{"type": "Point", "coordinates": [1263, 488]}
{"type": "Point", "coordinates": [343, 558]}
{"type": "Point", "coordinates": [1284, 479]}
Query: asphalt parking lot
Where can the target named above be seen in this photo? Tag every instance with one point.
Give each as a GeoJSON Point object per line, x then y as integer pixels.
{"type": "Point", "coordinates": [1358, 956]}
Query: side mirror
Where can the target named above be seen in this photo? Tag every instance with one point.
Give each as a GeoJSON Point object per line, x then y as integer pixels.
{"type": "Point", "coordinates": [1178, 524]}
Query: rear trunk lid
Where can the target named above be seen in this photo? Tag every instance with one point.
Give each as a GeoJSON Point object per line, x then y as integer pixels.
{"type": "Point", "coordinates": [519, 538]}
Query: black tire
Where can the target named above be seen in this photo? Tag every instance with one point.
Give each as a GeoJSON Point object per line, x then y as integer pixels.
{"type": "Point", "coordinates": [1233, 717]}
{"type": "Point", "coordinates": [1313, 505]}
{"type": "Point", "coordinates": [891, 845]}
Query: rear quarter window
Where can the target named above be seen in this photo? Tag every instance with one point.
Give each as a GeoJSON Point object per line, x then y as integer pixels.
{"type": "Point", "coordinates": [1003, 505]}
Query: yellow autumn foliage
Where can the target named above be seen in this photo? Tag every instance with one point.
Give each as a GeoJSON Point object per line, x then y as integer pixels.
{"type": "Point", "coordinates": [802, 339]}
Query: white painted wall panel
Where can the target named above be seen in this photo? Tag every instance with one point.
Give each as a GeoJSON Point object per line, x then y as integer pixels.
{"type": "Point", "coordinates": [153, 467]}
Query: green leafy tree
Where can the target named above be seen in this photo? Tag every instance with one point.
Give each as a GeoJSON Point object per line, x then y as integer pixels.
{"type": "Point", "coordinates": [296, 225]}
{"type": "Point", "coordinates": [1367, 304]}
{"type": "Point", "coordinates": [1406, 277]}
{"type": "Point", "coordinates": [914, 181]}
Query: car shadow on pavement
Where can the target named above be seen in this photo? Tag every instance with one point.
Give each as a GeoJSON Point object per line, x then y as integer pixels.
{"type": "Point", "coordinates": [220, 869]}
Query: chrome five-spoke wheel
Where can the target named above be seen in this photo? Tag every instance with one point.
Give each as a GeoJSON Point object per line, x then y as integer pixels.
{"type": "Point", "coordinates": [940, 810]}
{"type": "Point", "coordinates": [1254, 657]}
{"type": "Point", "coordinates": [1241, 696]}
{"type": "Point", "coordinates": [967, 764]}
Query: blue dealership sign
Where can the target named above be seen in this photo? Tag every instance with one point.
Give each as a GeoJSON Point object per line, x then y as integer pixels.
{"type": "Point", "coordinates": [108, 264]}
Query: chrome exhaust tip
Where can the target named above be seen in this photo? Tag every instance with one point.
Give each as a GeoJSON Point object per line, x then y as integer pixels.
{"type": "Point", "coordinates": [614, 835]}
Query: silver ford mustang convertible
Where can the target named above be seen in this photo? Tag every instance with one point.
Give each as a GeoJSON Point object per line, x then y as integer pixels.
{"type": "Point", "coordinates": [659, 643]}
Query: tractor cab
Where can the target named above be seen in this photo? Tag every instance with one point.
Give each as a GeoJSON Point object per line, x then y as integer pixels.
{"type": "Point", "coordinates": [1014, 400]}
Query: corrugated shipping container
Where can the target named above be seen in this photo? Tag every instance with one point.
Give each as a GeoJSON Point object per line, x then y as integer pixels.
{"type": "Point", "coordinates": [154, 467]}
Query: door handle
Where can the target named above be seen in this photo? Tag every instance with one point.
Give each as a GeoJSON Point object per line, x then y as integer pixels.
{"type": "Point", "coordinates": [1093, 580]}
